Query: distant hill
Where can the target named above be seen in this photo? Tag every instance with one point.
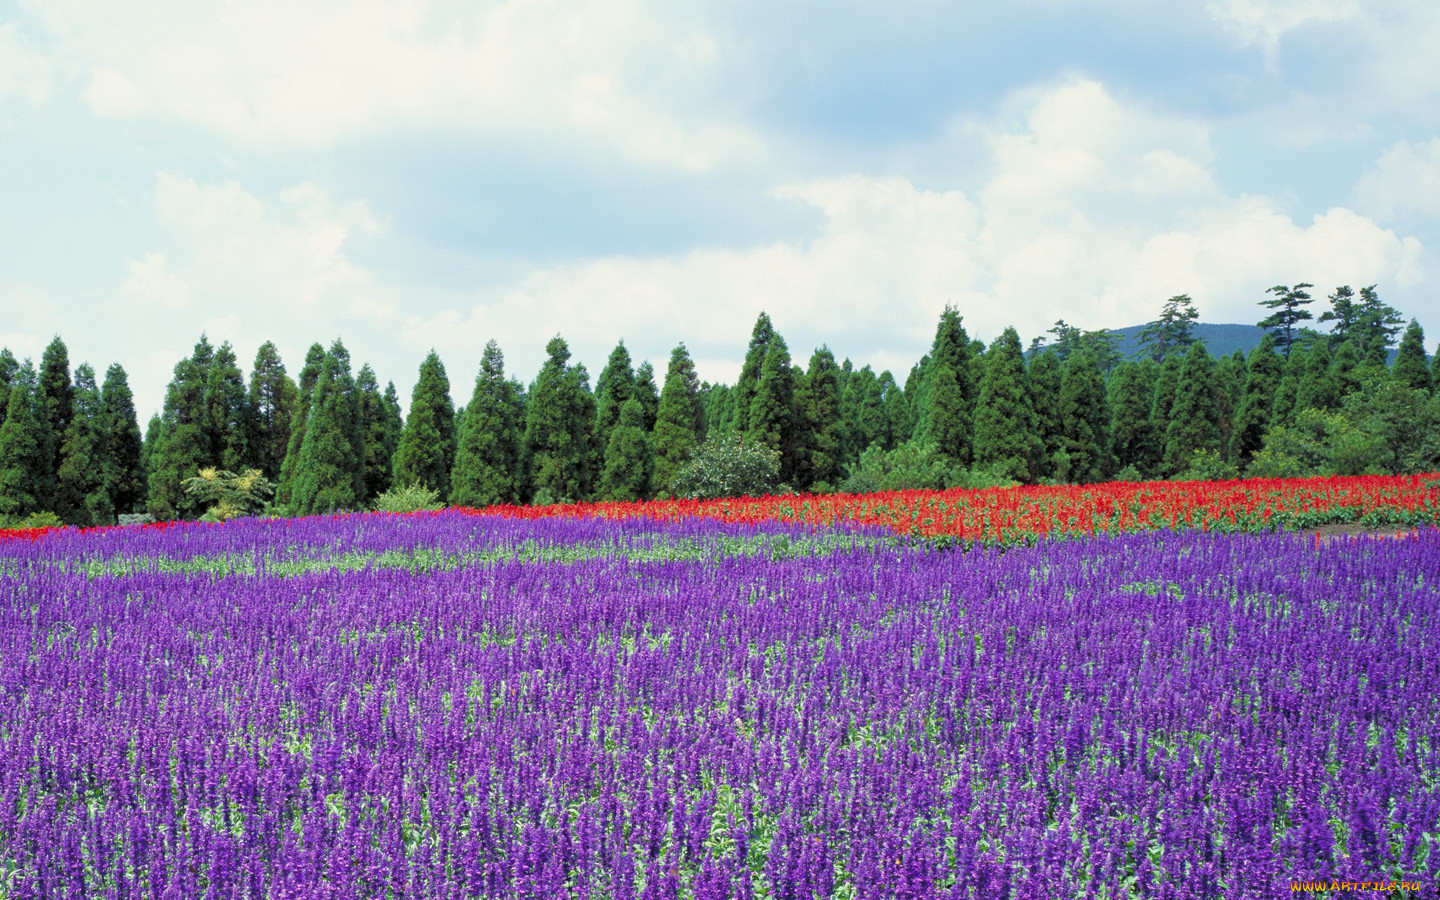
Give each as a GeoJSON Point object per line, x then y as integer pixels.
{"type": "Point", "coordinates": [1220, 340]}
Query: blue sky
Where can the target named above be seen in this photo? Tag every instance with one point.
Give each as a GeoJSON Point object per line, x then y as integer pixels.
{"type": "Point", "coordinates": [408, 175]}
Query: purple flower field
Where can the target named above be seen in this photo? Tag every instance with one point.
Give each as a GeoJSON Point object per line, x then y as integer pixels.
{"type": "Point", "coordinates": [452, 706]}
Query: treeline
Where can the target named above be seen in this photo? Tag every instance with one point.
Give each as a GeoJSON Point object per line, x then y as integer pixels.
{"type": "Point", "coordinates": [1068, 410]}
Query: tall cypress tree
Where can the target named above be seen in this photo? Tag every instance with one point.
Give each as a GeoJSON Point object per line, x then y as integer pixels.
{"type": "Point", "coordinates": [772, 409]}
{"type": "Point", "coordinates": [947, 391]}
{"type": "Point", "coordinates": [330, 473]}
{"type": "Point", "coordinates": [488, 464]}
{"type": "Point", "coordinates": [1409, 367]}
{"type": "Point", "coordinates": [124, 471]}
{"type": "Point", "coordinates": [1005, 431]}
{"type": "Point", "coordinates": [272, 402]}
{"type": "Point", "coordinates": [1345, 370]}
{"type": "Point", "coordinates": [557, 430]}
{"type": "Point", "coordinates": [424, 456]}
{"type": "Point", "coordinates": [648, 394]}
{"type": "Point", "coordinates": [309, 377]}
{"type": "Point", "coordinates": [719, 410]}
{"type": "Point", "coordinates": [1287, 394]}
{"type": "Point", "coordinates": [1167, 381]}
{"type": "Point", "coordinates": [615, 385]}
{"type": "Point", "coordinates": [1194, 419]}
{"type": "Point", "coordinates": [227, 417]}
{"type": "Point", "coordinates": [821, 438]}
{"type": "Point", "coordinates": [1257, 402]}
{"type": "Point", "coordinates": [1319, 388]}
{"type": "Point", "coordinates": [866, 422]}
{"type": "Point", "coordinates": [394, 425]}
{"type": "Point", "coordinates": [1043, 376]}
{"type": "Point", "coordinates": [9, 371]}
{"type": "Point", "coordinates": [375, 424]}
{"type": "Point", "coordinates": [153, 430]}
{"type": "Point", "coordinates": [22, 456]}
{"type": "Point", "coordinates": [54, 409]}
{"type": "Point", "coordinates": [899, 417]}
{"type": "Point", "coordinates": [1229, 381]}
{"type": "Point", "coordinates": [677, 431]}
{"type": "Point", "coordinates": [761, 337]}
{"type": "Point", "coordinates": [629, 457]}
{"type": "Point", "coordinates": [80, 495]}
{"type": "Point", "coordinates": [1084, 420]}
{"type": "Point", "coordinates": [1132, 437]}
{"type": "Point", "coordinates": [181, 449]}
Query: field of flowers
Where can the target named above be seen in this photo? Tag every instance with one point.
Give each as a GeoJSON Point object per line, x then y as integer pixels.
{"type": "Point", "coordinates": [664, 706]}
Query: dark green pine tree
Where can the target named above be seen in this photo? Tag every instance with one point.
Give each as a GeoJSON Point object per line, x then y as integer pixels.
{"type": "Point", "coordinates": [309, 377]}
{"type": "Point", "coordinates": [1345, 370]}
{"type": "Point", "coordinates": [124, 470]}
{"type": "Point", "coordinates": [1171, 333]}
{"type": "Point", "coordinates": [22, 456]}
{"type": "Point", "coordinates": [648, 394]}
{"type": "Point", "coordinates": [1409, 367]}
{"type": "Point", "coordinates": [947, 391]}
{"type": "Point", "coordinates": [1287, 303]}
{"type": "Point", "coordinates": [1043, 375]}
{"type": "Point", "coordinates": [1318, 388]}
{"type": "Point", "coordinates": [1084, 420]}
{"type": "Point", "coordinates": [181, 449]}
{"type": "Point", "coordinates": [9, 371]}
{"type": "Point", "coordinates": [272, 401]}
{"type": "Point", "coordinates": [720, 412]}
{"type": "Point", "coordinates": [761, 337]}
{"type": "Point", "coordinates": [424, 456]}
{"type": "Point", "coordinates": [54, 409]}
{"type": "Point", "coordinates": [488, 468]}
{"type": "Point", "coordinates": [153, 429]}
{"type": "Point", "coordinates": [629, 457]}
{"type": "Point", "coordinates": [677, 423]}
{"type": "Point", "coordinates": [1377, 327]}
{"type": "Point", "coordinates": [771, 422]}
{"type": "Point", "coordinates": [1229, 383]}
{"type": "Point", "coordinates": [330, 473]}
{"type": "Point", "coordinates": [394, 425]}
{"type": "Point", "coordinates": [1257, 401]}
{"type": "Point", "coordinates": [615, 385]}
{"type": "Point", "coordinates": [80, 494]}
{"type": "Point", "coordinates": [1287, 394]}
{"type": "Point", "coordinates": [227, 415]}
{"type": "Point", "coordinates": [557, 428]}
{"type": "Point", "coordinates": [1132, 437]}
{"type": "Point", "coordinates": [375, 424]}
{"type": "Point", "coordinates": [899, 416]}
{"type": "Point", "coordinates": [1005, 430]}
{"type": "Point", "coordinates": [865, 420]}
{"type": "Point", "coordinates": [1167, 381]}
{"type": "Point", "coordinates": [821, 426]}
{"type": "Point", "coordinates": [1194, 419]}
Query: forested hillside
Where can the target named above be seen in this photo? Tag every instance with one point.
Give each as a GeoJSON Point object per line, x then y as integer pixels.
{"type": "Point", "coordinates": [1075, 407]}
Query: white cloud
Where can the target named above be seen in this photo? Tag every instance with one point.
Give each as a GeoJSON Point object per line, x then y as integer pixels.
{"type": "Point", "coordinates": [1404, 181]}
{"type": "Point", "coordinates": [1264, 21]}
{"type": "Point", "coordinates": [151, 283]}
{"type": "Point", "coordinates": [625, 74]}
{"type": "Point", "coordinates": [24, 72]}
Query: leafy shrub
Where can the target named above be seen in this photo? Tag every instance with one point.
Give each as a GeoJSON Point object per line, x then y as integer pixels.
{"type": "Point", "coordinates": [1130, 474]}
{"type": "Point", "coordinates": [728, 468]}
{"type": "Point", "coordinates": [228, 494]}
{"type": "Point", "coordinates": [1206, 465]}
{"type": "Point", "coordinates": [1272, 463]}
{"type": "Point", "coordinates": [411, 498]}
{"type": "Point", "coordinates": [993, 476]}
{"type": "Point", "coordinates": [34, 520]}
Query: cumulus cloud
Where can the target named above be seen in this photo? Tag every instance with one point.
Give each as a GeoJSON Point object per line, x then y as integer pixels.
{"type": "Point", "coordinates": [1264, 21]}
{"type": "Point", "coordinates": [1403, 182]}
{"type": "Point", "coordinates": [24, 72]}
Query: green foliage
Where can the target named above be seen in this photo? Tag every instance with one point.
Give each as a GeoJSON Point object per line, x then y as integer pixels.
{"type": "Point", "coordinates": [54, 408]}
{"type": "Point", "coordinates": [1257, 400]}
{"type": "Point", "coordinates": [770, 423]}
{"type": "Point", "coordinates": [1045, 377]}
{"type": "Point", "coordinates": [309, 376]}
{"type": "Point", "coordinates": [726, 467]}
{"type": "Point", "coordinates": [648, 394]}
{"type": "Point", "coordinates": [1400, 420]}
{"type": "Point", "coordinates": [1208, 465]}
{"type": "Point", "coordinates": [1194, 425]}
{"type": "Point", "coordinates": [1369, 323]}
{"type": "Point", "coordinates": [376, 425]}
{"type": "Point", "coordinates": [330, 473]}
{"type": "Point", "coordinates": [181, 447]}
{"type": "Point", "coordinates": [271, 403]}
{"type": "Point", "coordinates": [678, 419]}
{"type": "Point", "coordinates": [80, 496]}
{"type": "Point", "coordinates": [425, 454]}
{"type": "Point", "coordinates": [1005, 428]}
{"type": "Point", "coordinates": [629, 457]}
{"type": "Point", "coordinates": [227, 415]}
{"type": "Point", "coordinates": [1132, 437]}
{"type": "Point", "coordinates": [559, 416]}
{"type": "Point", "coordinates": [1288, 304]}
{"type": "Point", "coordinates": [910, 466]}
{"type": "Point", "coordinates": [488, 463]}
{"type": "Point", "coordinates": [761, 337]}
{"type": "Point", "coordinates": [22, 457]}
{"type": "Point", "coordinates": [1318, 387]}
{"type": "Point", "coordinates": [615, 385]}
{"type": "Point", "coordinates": [821, 428]}
{"type": "Point", "coordinates": [124, 470]}
{"type": "Point", "coordinates": [227, 495]}
{"type": "Point", "coordinates": [1171, 333]}
{"type": "Point", "coordinates": [1410, 360]}
{"type": "Point", "coordinates": [9, 373]}
{"type": "Point", "coordinates": [1084, 420]}
{"type": "Point", "coordinates": [947, 392]}
{"type": "Point", "coordinates": [408, 499]}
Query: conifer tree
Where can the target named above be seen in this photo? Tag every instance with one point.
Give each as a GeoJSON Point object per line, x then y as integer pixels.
{"type": "Point", "coordinates": [677, 425]}
{"type": "Point", "coordinates": [395, 424]}
{"type": "Point", "coordinates": [375, 426]}
{"type": "Point", "coordinates": [309, 377]}
{"type": "Point", "coordinates": [557, 428]}
{"type": "Point", "coordinates": [770, 422]}
{"type": "Point", "coordinates": [22, 456]}
{"type": "Point", "coordinates": [1229, 381]}
{"type": "Point", "coordinates": [227, 417]}
{"type": "Point", "coordinates": [1132, 437]}
{"type": "Point", "coordinates": [899, 416]}
{"type": "Point", "coordinates": [947, 391]}
{"type": "Point", "coordinates": [1044, 379]}
{"type": "Point", "coordinates": [1318, 388]}
{"type": "Point", "coordinates": [1167, 381]}
{"type": "Point", "coordinates": [865, 420]}
{"type": "Point", "coordinates": [615, 385]}
{"type": "Point", "coordinates": [761, 337]}
{"type": "Point", "coordinates": [182, 447]}
{"type": "Point", "coordinates": [1171, 333]}
{"type": "Point", "coordinates": [821, 426]}
{"type": "Point", "coordinates": [272, 401]}
{"type": "Point", "coordinates": [125, 479]}
{"type": "Point", "coordinates": [9, 371]}
{"type": "Point", "coordinates": [1005, 430]}
{"type": "Point", "coordinates": [488, 463]}
{"type": "Point", "coordinates": [1287, 303]}
{"type": "Point", "coordinates": [424, 456]}
{"type": "Point", "coordinates": [629, 458]}
{"type": "Point", "coordinates": [1409, 367]}
{"type": "Point", "coordinates": [648, 393]}
{"type": "Point", "coordinates": [1287, 394]}
{"type": "Point", "coordinates": [329, 475]}
{"type": "Point", "coordinates": [719, 410]}
{"type": "Point", "coordinates": [53, 409]}
{"type": "Point", "coordinates": [1194, 419]}
{"type": "Point", "coordinates": [153, 428]}
{"type": "Point", "coordinates": [80, 495]}
{"type": "Point", "coordinates": [1257, 401]}
{"type": "Point", "coordinates": [1345, 370]}
{"type": "Point", "coordinates": [1084, 420]}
